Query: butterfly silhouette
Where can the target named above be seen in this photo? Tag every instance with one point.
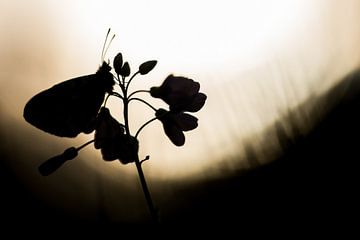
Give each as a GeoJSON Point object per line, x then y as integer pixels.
{"type": "Point", "coordinates": [71, 107]}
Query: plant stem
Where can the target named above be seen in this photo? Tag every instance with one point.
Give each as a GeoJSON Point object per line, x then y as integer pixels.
{"type": "Point", "coordinates": [143, 101]}
{"type": "Point", "coordinates": [144, 125]}
{"type": "Point", "coordinates": [85, 144]}
{"type": "Point", "coordinates": [139, 91]}
{"type": "Point", "coordinates": [149, 201]}
{"type": "Point", "coordinates": [126, 115]}
{"type": "Point", "coordinates": [144, 186]}
{"type": "Point", "coordinates": [132, 77]}
{"type": "Point", "coordinates": [126, 107]}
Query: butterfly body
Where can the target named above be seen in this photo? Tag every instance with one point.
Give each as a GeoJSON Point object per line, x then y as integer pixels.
{"type": "Point", "coordinates": [70, 107]}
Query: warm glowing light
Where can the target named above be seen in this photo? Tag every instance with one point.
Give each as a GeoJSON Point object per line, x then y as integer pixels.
{"type": "Point", "coordinates": [192, 35]}
{"type": "Point", "coordinates": [206, 40]}
{"type": "Point", "coordinates": [255, 59]}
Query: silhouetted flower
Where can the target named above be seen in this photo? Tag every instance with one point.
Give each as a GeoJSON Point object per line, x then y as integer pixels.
{"type": "Point", "coordinates": [110, 137]}
{"type": "Point", "coordinates": [182, 94]}
{"type": "Point", "coordinates": [175, 123]}
{"type": "Point", "coordinates": [72, 107]}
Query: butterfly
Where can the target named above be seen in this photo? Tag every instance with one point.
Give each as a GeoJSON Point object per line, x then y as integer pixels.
{"type": "Point", "coordinates": [71, 107]}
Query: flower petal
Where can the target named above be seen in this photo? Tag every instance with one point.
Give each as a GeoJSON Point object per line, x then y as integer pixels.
{"type": "Point", "coordinates": [186, 122]}
{"type": "Point", "coordinates": [176, 136]}
{"type": "Point", "coordinates": [197, 103]}
{"type": "Point", "coordinates": [181, 85]}
{"type": "Point", "coordinates": [110, 151]}
{"type": "Point", "coordinates": [155, 92]}
{"type": "Point", "coordinates": [123, 147]}
{"type": "Point", "coordinates": [107, 129]}
{"type": "Point", "coordinates": [128, 150]}
{"type": "Point", "coordinates": [178, 92]}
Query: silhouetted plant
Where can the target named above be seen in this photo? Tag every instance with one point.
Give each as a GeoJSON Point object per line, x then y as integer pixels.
{"type": "Point", "coordinates": [77, 105]}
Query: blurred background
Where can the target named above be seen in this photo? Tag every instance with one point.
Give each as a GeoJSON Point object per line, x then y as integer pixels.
{"type": "Point", "coordinates": [274, 72]}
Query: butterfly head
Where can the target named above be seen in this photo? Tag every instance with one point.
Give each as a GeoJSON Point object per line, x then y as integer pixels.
{"type": "Point", "coordinates": [105, 77]}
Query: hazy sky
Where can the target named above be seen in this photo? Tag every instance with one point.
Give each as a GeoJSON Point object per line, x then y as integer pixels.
{"type": "Point", "coordinates": [254, 60]}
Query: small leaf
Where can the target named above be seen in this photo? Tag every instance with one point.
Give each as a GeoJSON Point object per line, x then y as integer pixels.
{"type": "Point", "coordinates": [125, 70]}
{"type": "Point", "coordinates": [146, 67]}
{"type": "Point", "coordinates": [118, 62]}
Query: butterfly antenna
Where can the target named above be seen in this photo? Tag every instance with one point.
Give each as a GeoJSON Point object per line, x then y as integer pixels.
{"type": "Point", "coordinates": [108, 45]}
{"type": "Point", "coordinates": [103, 48]}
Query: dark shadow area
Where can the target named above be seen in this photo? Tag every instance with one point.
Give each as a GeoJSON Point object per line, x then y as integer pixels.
{"type": "Point", "coordinates": [313, 184]}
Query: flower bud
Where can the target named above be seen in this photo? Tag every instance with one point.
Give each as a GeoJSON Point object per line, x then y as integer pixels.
{"type": "Point", "coordinates": [146, 67]}
{"type": "Point", "coordinates": [118, 63]}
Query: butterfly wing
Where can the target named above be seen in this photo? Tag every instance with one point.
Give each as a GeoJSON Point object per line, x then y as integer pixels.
{"type": "Point", "coordinates": [67, 108]}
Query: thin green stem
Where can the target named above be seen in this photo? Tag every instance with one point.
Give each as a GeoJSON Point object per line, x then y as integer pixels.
{"type": "Point", "coordinates": [138, 91]}
{"type": "Point", "coordinates": [143, 101]}
{"type": "Point", "coordinates": [144, 125]}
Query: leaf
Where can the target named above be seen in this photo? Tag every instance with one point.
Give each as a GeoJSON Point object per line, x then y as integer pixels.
{"type": "Point", "coordinates": [146, 67]}
{"type": "Point", "coordinates": [125, 70]}
{"type": "Point", "coordinates": [118, 63]}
